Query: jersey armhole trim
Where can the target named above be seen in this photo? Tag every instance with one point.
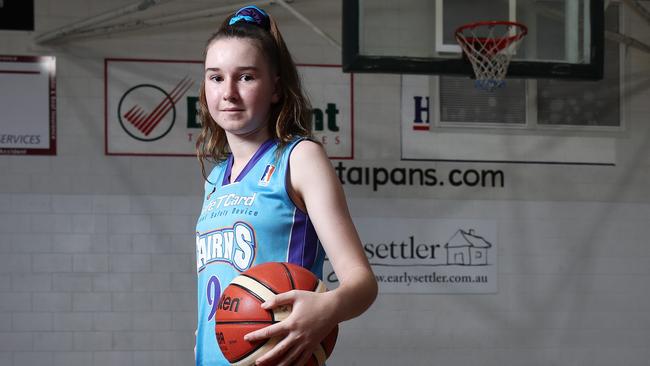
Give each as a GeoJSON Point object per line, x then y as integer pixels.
{"type": "Point", "coordinates": [287, 176]}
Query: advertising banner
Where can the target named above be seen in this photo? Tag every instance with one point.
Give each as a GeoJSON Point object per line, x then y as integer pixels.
{"type": "Point", "coordinates": [152, 107]}
{"type": "Point", "coordinates": [428, 256]}
{"type": "Point", "coordinates": [28, 105]}
{"type": "Point", "coordinates": [427, 136]}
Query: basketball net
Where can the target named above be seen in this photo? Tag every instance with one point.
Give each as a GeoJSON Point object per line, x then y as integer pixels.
{"type": "Point", "coordinates": [489, 47]}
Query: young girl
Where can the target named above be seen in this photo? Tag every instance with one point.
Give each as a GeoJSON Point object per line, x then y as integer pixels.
{"type": "Point", "coordinates": [272, 195]}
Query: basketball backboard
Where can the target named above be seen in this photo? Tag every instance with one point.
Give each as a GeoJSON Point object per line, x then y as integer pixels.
{"type": "Point", "coordinates": [565, 37]}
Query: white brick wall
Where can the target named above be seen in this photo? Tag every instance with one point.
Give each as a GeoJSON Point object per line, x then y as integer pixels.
{"type": "Point", "coordinates": [96, 261]}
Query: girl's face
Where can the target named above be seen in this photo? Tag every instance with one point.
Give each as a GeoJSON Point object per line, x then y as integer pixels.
{"type": "Point", "coordinates": [239, 86]}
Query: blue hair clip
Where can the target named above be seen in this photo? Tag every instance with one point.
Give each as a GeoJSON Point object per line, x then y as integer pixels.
{"type": "Point", "coordinates": [253, 15]}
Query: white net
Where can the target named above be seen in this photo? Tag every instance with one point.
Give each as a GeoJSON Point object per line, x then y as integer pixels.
{"type": "Point", "coordinates": [489, 46]}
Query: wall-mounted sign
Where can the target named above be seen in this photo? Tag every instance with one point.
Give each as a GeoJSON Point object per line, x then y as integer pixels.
{"type": "Point", "coordinates": [428, 256]}
{"type": "Point", "coordinates": [28, 105]}
{"type": "Point", "coordinates": [152, 107]}
{"type": "Point", "coordinates": [426, 135]}
{"type": "Point", "coordinates": [331, 95]}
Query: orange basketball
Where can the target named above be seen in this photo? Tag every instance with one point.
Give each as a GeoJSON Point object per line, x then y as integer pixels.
{"type": "Point", "coordinates": [239, 311]}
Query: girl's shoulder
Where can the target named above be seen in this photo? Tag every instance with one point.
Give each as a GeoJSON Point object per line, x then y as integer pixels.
{"type": "Point", "coordinates": [308, 158]}
{"type": "Point", "coordinates": [306, 147]}
{"type": "Point", "coordinates": [296, 146]}
{"type": "Point", "coordinates": [302, 145]}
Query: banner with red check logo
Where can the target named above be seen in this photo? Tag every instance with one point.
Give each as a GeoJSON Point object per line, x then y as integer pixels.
{"type": "Point", "coordinates": [152, 108]}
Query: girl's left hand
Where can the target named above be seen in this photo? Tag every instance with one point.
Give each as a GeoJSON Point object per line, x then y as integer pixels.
{"type": "Point", "coordinates": [312, 318]}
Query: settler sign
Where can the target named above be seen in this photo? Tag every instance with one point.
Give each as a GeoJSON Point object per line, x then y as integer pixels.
{"type": "Point", "coordinates": [428, 256]}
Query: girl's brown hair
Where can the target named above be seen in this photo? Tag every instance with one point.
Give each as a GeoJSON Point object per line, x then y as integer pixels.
{"type": "Point", "coordinates": [290, 117]}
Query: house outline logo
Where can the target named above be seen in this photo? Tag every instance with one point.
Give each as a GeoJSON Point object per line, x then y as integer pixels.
{"type": "Point", "coordinates": [465, 248]}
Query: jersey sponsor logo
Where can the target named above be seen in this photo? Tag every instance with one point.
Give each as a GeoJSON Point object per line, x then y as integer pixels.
{"type": "Point", "coordinates": [228, 200]}
{"type": "Point", "coordinates": [266, 177]}
{"type": "Point", "coordinates": [235, 246]}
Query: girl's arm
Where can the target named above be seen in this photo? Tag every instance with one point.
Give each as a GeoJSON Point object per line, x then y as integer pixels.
{"type": "Point", "coordinates": [315, 186]}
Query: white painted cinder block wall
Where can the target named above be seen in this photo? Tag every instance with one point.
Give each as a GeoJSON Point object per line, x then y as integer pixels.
{"type": "Point", "coordinates": [96, 252]}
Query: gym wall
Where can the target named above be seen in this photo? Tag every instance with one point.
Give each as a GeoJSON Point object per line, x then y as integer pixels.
{"type": "Point", "coordinates": [97, 256]}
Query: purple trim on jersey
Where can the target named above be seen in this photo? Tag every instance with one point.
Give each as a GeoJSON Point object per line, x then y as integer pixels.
{"type": "Point", "coordinates": [251, 163]}
{"type": "Point", "coordinates": [303, 245]}
{"type": "Point", "coordinates": [287, 176]}
{"type": "Point", "coordinates": [226, 175]}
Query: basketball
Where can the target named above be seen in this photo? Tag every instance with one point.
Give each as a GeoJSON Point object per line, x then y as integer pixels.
{"type": "Point", "coordinates": [239, 311]}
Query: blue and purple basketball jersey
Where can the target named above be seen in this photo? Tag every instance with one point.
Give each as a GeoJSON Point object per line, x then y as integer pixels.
{"type": "Point", "coordinates": [248, 221]}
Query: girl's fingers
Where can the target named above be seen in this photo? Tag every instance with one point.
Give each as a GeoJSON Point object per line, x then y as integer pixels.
{"type": "Point", "coordinates": [281, 348]}
{"type": "Point", "coordinates": [284, 298]}
{"type": "Point", "coordinates": [275, 330]}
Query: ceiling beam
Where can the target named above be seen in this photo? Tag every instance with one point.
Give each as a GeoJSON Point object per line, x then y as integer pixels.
{"type": "Point", "coordinates": [638, 8]}
{"type": "Point", "coordinates": [165, 20]}
{"type": "Point", "coordinates": [311, 25]}
{"type": "Point", "coordinates": [627, 40]}
{"type": "Point", "coordinates": [71, 29]}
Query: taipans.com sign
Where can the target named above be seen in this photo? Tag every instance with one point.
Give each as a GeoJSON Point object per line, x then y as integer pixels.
{"type": "Point", "coordinates": [428, 256]}
{"type": "Point", "coordinates": [152, 107]}
{"type": "Point", "coordinates": [28, 105]}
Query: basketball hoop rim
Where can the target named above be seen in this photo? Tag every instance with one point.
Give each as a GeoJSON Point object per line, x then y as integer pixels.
{"type": "Point", "coordinates": [490, 55]}
{"type": "Point", "coordinates": [492, 23]}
